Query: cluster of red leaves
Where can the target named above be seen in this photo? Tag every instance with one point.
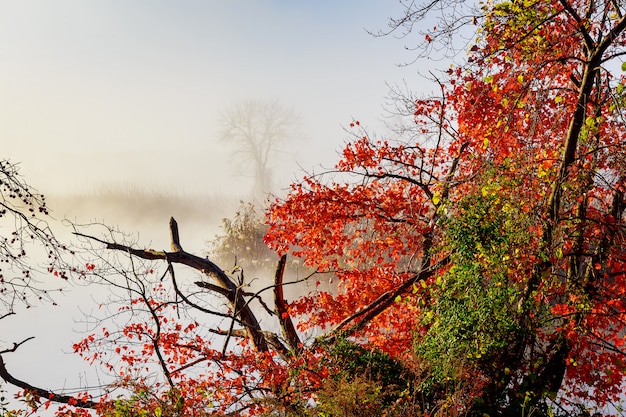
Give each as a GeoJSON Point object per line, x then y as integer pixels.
{"type": "Point", "coordinates": [208, 380]}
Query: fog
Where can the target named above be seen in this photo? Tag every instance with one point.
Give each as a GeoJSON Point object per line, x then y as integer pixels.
{"type": "Point", "coordinates": [107, 93]}
{"type": "Point", "coordinates": [112, 111]}
{"type": "Point", "coordinates": [146, 214]}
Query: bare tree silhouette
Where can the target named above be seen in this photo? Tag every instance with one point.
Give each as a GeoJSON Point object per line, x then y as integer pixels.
{"type": "Point", "coordinates": [257, 132]}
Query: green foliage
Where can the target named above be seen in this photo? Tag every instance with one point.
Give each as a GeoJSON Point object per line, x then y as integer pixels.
{"type": "Point", "coordinates": [351, 397]}
{"type": "Point", "coordinates": [143, 403]}
{"type": "Point", "coordinates": [467, 321]}
{"type": "Point", "coordinates": [31, 402]}
{"type": "Point", "coordinates": [354, 359]}
{"type": "Point", "coordinates": [472, 321]}
{"type": "Point", "coordinates": [374, 374]}
{"type": "Point", "coordinates": [128, 408]}
{"type": "Point", "coordinates": [521, 17]}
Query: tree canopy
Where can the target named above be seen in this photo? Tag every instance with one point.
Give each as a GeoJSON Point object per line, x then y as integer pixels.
{"type": "Point", "coordinates": [493, 245]}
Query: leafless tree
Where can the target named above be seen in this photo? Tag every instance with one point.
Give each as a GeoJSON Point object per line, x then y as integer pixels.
{"type": "Point", "coordinates": [257, 132]}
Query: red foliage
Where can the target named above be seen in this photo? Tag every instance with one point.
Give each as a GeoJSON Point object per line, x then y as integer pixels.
{"type": "Point", "coordinates": [535, 111]}
{"type": "Point", "coordinates": [532, 126]}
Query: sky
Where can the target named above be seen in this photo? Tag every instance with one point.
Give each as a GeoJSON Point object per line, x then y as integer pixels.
{"type": "Point", "coordinates": [128, 94]}
{"type": "Point", "coordinates": [109, 93]}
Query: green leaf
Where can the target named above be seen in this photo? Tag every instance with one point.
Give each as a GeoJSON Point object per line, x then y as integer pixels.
{"type": "Point", "coordinates": [623, 66]}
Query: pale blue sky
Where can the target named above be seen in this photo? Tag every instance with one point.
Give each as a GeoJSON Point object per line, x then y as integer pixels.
{"type": "Point", "coordinates": [108, 92]}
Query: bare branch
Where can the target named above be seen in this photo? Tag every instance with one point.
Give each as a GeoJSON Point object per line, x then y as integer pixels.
{"type": "Point", "coordinates": [235, 299]}
{"type": "Point", "coordinates": [271, 338]}
{"type": "Point", "coordinates": [379, 305]}
{"type": "Point", "coordinates": [286, 324]}
{"type": "Point", "coordinates": [174, 238]}
{"type": "Point", "coordinates": [40, 392]}
{"type": "Point", "coordinates": [16, 345]}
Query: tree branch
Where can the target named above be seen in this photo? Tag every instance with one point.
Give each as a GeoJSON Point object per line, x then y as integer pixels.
{"type": "Point", "coordinates": [271, 338]}
{"type": "Point", "coordinates": [174, 237]}
{"type": "Point", "coordinates": [40, 392]}
{"type": "Point", "coordinates": [10, 313]}
{"type": "Point", "coordinates": [235, 299]}
{"type": "Point", "coordinates": [379, 305]}
{"type": "Point", "coordinates": [286, 324]}
{"type": "Point", "coordinates": [15, 345]}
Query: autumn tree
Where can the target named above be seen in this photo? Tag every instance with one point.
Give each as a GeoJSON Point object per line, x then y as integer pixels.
{"type": "Point", "coordinates": [257, 133]}
{"type": "Point", "coordinates": [491, 248]}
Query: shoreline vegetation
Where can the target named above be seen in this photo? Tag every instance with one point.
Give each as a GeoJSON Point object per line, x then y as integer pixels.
{"type": "Point", "coordinates": [134, 208]}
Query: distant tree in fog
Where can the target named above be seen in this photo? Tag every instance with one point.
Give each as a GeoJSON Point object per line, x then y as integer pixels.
{"type": "Point", "coordinates": [257, 132]}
